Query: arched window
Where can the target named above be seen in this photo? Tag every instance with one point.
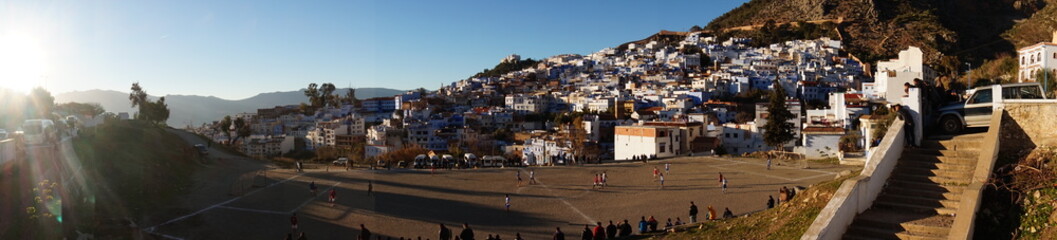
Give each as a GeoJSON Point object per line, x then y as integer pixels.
{"type": "Point", "coordinates": [1040, 57]}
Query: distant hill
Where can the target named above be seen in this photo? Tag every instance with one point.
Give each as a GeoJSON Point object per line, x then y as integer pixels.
{"type": "Point", "coordinates": [198, 109]}
{"type": "Point", "coordinates": [950, 32]}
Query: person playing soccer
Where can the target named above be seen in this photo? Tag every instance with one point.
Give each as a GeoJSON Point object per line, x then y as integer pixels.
{"type": "Point", "coordinates": [518, 174]}
{"type": "Point", "coordinates": [532, 176]}
{"type": "Point", "coordinates": [333, 196]}
{"type": "Point", "coordinates": [507, 200]}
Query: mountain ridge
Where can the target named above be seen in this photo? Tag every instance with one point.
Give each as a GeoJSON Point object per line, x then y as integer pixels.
{"type": "Point", "coordinates": [195, 109]}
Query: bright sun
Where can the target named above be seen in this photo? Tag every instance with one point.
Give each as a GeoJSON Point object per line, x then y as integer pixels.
{"type": "Point", "coordinates": [22, 62]}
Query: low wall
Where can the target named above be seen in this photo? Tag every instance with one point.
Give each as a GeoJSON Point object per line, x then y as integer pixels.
{"type": "Point", "coordinates": [857, 194]}
{"type": "Point", "coordinates": [7, 151]}
{"type": "Point", "coordinates": [1027, 125]}
{"type": "Point", "coordinates": [962, 228]}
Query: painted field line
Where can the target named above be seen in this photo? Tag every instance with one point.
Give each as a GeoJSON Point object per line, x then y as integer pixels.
{"type": "Point", "coordinates": [151, 229]}
{"type": "Point", "coordinates": [577, 210]}
{"type": "Point", "coordinates": [254, 210]}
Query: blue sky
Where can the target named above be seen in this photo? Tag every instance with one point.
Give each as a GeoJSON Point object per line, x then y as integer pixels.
{"type": "Point", "coordinates": [237, 49]}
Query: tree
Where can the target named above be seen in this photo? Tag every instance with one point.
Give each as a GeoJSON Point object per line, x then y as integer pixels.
{"type": "Point", "coordinates": [695, 28]}
{"type": "Point", "coordinates": [350, 97]}
{"type": "Point", "coordinates": [327, 94]}
{"type": "Point", "coordinates": [41, 102]}
{"type": "Point", "coordinates": [156, 112]}
{"type": "Point", "coordinates": [242, 129]}
{"type": "Point", "coordinates": [1048, 79]}
{"type": "Point", "coordinates": [225, 127]}
{"type": "Point", "coordinates": [312, 92]}
{"type": "Point", "coordinates": [778, 129]}
{"type": "Point", "coordinates": [90, 109]}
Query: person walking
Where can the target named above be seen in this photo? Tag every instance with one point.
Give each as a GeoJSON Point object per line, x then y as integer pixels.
{"type": "Point", "coordinates": [467, 232]}
{"type": "Point", "coordinates": [662, 181]}
{"type": "Point", "coordinates": [558, 234]}
{"type": "Point", "coordinates": [667, 168]}
{"type": "Point", "coordinates": [333, 196]}
{"type": "Point", "coordinates": [768, 162]}
{"type": "Point", "coordinates": [724, 181]}
{"type": "Point", "coordinates": [370, 187]}
{"type": "Point", "coordinates": [656, 172]}
{"type": "Point", "coordinates": [518, 174]}
{"type": "Point", "coordinates": [507, 200]}
{"type": "Point", "coordinates": [693, 212]}
{"type": "Point", "coordinates": [312, 187]}
{"type": "Point", "coordinates": [611, 230]}
{"type": "Point", "coordinates": [293, 222]}
{"type": "Point", "coordinates": [586, 235]}
{"type": "Point", "coordinates": [604, 179]}
{"type": "Point", "coordinates": [600, 232]}
{"type": "Point", "coordinates": [364, 233]}
{"type": "Point", "coordinates": [721, 179]}
{"type": "Point", "coordinates": [532, 177]}
{"type": "Point", "coordinates": [445, 233]}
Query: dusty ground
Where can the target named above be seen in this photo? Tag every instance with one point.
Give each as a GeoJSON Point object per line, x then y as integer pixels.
{"type": "Point", "coordinates": [410, 203]}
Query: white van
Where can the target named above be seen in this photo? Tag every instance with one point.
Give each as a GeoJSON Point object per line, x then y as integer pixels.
{"type": "Point", "coordinates": [39, 131]}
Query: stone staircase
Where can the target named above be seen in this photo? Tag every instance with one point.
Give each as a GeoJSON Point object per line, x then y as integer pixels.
{"type": "Point", "coordinates": [923, 192]}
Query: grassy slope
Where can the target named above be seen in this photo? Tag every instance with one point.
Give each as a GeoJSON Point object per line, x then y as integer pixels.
{"type": "Point", "coordinates": [786, 221]}
{"type": "Point", "coordinates": [134, 168]}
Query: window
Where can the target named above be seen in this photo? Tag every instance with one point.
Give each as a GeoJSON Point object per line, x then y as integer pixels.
{"type": "Point", "coordinates": [982, 96]}
{"type": "Point", "coordinates": [1026, 92]}
{"type": "Point", "coordinates": [662, 147]}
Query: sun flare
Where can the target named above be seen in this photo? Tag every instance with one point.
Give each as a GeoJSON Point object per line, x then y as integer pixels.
{"type": "Point", "coordinates": [22, 62]}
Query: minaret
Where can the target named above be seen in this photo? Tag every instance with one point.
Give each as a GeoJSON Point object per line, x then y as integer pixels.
{"type": "Point", "coordinates": [1054, 38]}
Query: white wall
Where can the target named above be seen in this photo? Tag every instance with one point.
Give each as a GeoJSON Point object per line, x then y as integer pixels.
{"type": "Point", "coordinates": [627, 146]}
{"type": "Point", "coordinates": [821, 145]}
{"type": "Point", "coordinates": [857, 194]}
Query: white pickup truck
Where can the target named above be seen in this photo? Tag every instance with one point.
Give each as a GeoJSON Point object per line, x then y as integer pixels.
{"type": "Point", "coordinates": [982, 101]}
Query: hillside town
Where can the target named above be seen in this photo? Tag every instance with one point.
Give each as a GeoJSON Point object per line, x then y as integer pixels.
{"type": "Point", "coordinates": [698, 95]}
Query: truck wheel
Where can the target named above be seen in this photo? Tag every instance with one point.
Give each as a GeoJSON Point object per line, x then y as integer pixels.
{"type": "Point", "coordinates": [951, 124]}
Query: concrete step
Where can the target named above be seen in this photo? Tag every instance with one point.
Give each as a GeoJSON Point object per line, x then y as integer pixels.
{"type": "Point", "coordinates": [938, 159]}
{"type": "Point", "coordinates": [924, 186]}
{"type": "Point", "coordinates": [869, 232]}
{"type": "Point", "coordinates": [941, 152]}
{"type": "Point", "coordinates": [912, 222]}
{"type": "Point", "coordinates": [961, 144]}
{"type": "Point", "coordinates": [937, 193]}
{"type": "Point", "coordinates": [934, 172]}
{"type": "Point", "coordinates": [914, 208]}
{"type": "Point", "coordinates": [951, 166]}
{"type": "Point", "coordinates": [921, 201]}
{"type": "Point", "coordinates": [935, 179]}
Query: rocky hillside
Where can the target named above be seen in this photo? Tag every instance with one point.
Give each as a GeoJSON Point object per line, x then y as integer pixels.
{"type": "Point", "coordinates": [949, 31]}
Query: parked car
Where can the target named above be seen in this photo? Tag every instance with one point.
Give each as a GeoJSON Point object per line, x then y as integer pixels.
{"type": "Point", "coordinates": [340, 162]}
{"type": "Point", "coordinates": [202, 149]}
{"type": "Point", "coordinates": [982, 101]}
{"type": "Point", "coordinates": [39, 131]}
{"type": "Point", "coordinates": [401, 164]}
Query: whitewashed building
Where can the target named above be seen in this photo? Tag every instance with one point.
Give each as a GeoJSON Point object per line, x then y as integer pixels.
{"type": "Point", "coordinates": [659, 141]}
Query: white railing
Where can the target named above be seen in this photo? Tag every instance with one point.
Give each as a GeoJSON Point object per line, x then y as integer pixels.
{"type": "Point", "coordinates": [857, 194]}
